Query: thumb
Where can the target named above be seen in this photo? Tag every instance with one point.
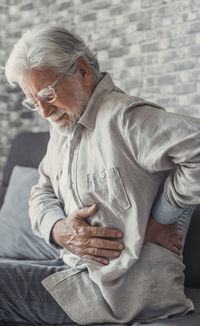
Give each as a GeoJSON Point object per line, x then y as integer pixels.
{"type": "Point", "coordinates": [87, 211]}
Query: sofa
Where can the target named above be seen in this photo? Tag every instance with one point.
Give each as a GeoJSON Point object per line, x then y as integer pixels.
{"type": "Point", "coordinates": [20, 173]}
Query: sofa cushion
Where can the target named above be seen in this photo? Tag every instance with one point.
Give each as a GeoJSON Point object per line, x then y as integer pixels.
{"type": "Point", "coordinates": [190, 319]}
{"type": "Point", "coordinates": [17, 238]}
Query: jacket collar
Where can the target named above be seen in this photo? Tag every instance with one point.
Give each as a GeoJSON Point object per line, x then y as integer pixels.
{"type": "Point", "coordinates": [104, 87]}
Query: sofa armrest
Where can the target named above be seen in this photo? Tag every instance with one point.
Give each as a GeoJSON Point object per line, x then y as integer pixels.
{"type": "Point", "coordinates": [191, 254]}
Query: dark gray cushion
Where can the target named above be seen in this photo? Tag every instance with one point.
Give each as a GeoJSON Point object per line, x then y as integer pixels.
{"type": "Point", "coordinates": [191, 252]}
{"type": "Point", "coordinates": [27, 149]}
{"type": "Point", "coordinates": [191, 319]}
{"type": "Point", "coordinates": [17, 238]}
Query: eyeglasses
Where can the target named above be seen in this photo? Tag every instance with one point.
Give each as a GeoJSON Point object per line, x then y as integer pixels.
{"type": "Point", "coordinates": [47, 94]}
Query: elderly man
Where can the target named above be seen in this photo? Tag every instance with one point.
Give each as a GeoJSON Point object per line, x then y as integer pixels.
{"type": "Point", "coordinates": [106, 159]}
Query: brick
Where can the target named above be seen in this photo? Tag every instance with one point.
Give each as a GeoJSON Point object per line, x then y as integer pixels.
{"type": "Point", "coordinates": [28, 6]}
{"type": "Point", "coordinates": [198, 87]}
{"type": "Point", "coordinates": [102, 4]}
{"type": "Point", "coordinates": [117, 52]}
{"type": "Point", "coordinates": [179, 41]}
{"type": "Point", "coordinates": [167, 102]}
{"type": "Point", "coordinates": [3, 98]}
{"type": "Point", "coordinates": [86, 2]}
{"type": "Point", "coordinates": [134, 61]}
{"type": "Point", "coordinates": [168, 56]}
{"type": "Point", "coordinates": [192, 16]}
{"type": "Point", "coordinates": [102, 55]}
{"type": "Point", "coordinates": [152, 90]}
{"type": "Point", "coordinates": [64, 5]}
{"type": "Point", "coordinates": [150, 47]}
{"type": "Point", "coordinates": [14, 34]}
{"type": "Point", "coordinates": [136, 16]}
{"type": "Point", "coordinates": [166, 80]}
{"type": "Point", "coordinates": [102, 45]}
{"type": "Point", "coordinates": [195, 99]}
{"type": "Point", "coordinates": [166, 21]}
{"type": "Point", "coordinates": [89, 17]}
{"type": "Point", "coordinates": [27, 115]}
{"type": "Point", "coordinates": [134, 83]}
{"type": "Point", "coordinates": [13, 2]}
{"type": "Point", "coordinates": [135, 49]}
{"type": "Point", "coordinates": [184, 100]}
{"type": "Point", "coordinates": [195, 27]}
{"type": "Point", "coordinates": [195, 50]}
{"type": "Point", "coordinates": [120, 20]}
{"type": "Point", "coordinates": [185, 89]}
{"type": "Point", "coordinates": [149, 82]}
{"type": "Point", "coordinates": [183, 76]}
{"type": "Point", "coordinates": [185, 65]}
{"type": "Point", "coordinates": [147, 3]}
{"type": "Point", "coordinates": [3, 8]}
{"type": "Point", "coordinates": [149, 59]}
{"type": "Point", "coordinates": [116, 11]}
{"type": "Point", "coordinates": [142, 26]}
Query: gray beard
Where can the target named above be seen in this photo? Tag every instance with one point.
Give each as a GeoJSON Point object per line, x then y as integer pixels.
{"type": "Point", "coordinates": [82, 99]}
{"type": "Point", "coordinates": [67, 130]}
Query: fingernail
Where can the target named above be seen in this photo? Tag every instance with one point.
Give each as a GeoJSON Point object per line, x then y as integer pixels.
{"type": "Point", "coordinates": [116, 254]}
{"type": "Point", "coordinates": [91, 207]}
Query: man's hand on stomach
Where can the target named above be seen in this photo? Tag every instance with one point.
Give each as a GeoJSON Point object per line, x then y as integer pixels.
{"type": "Point", "coordinates": [74, 234]}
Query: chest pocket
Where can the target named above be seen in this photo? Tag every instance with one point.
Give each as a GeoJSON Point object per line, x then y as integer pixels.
{"type": "Point", "coordinates": [106, 187]}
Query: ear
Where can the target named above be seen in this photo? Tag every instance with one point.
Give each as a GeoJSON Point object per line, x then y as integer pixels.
{"type": "Point", "coordinates": [86, 71]}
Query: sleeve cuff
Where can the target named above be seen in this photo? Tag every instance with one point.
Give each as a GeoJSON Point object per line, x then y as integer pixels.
{"type": "Point", "coordinates": [46, 226]}
{"type": "Point", "coordinates": [164, 213]}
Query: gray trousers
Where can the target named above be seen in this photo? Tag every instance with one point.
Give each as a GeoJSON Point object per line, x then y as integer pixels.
{"type": "Point", "coordinates": [22, 296]}
{"type": "Point", "coordinates": [24, 299]}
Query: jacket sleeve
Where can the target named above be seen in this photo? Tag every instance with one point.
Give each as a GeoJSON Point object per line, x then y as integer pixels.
{"type": "Point", "coordinates": [165, 213]}
{"type": "Point", "coordinates": [167, 142]}
{"type": "Point", "coordinates": [44, 207]}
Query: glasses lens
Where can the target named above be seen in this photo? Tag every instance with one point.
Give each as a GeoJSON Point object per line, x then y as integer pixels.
{"type": "Point", "coordinates": [30, 104]}
{"type": "Point", "coordinates": [47, 94]}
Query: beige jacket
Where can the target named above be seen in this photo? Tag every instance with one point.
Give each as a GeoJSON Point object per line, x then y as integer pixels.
{"type": "Point", "coordinates": [118, 155]}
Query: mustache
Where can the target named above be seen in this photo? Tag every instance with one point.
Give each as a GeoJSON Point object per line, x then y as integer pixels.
{"type": "Point", "coordinates": [69, 121]}
{"type": "Point", "coordinates": [58, 113]}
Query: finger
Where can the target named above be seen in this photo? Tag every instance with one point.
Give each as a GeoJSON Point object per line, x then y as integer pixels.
{"type": "Point", "coordinates": [179, 245]}
{"type": "Point", "coordinates": [175, 250]}
{"type": "Point", "coordinates": [86, 211]}
{"type": "Point", "coordinates": [105, 244]}
{"type": "Point", "coordinates": [104, 232]}
{"type": "Point", "coordinates": [97, 259]}
{"type": "Point", "coordinates": [179, 235]}
{"type": "Point", "coordinates": [102, 253]}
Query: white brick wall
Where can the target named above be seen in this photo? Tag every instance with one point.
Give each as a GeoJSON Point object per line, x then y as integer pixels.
{"type": "Point", "coordinates": [150, 47]}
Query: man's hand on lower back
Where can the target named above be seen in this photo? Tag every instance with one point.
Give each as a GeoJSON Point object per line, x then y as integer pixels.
{"type": "Point", "coordinates": [74, 234]}
{"type": "Point", "coordinates": [166, 236]}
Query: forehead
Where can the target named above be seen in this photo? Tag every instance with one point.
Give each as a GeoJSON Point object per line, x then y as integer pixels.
{"type": "Point", "coordinates": [34, 80]}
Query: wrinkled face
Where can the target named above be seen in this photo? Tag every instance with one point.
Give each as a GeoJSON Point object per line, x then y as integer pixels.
{"type": "Point", "coordinates": [71, 97]}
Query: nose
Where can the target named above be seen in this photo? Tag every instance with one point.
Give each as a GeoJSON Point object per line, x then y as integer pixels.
{"type": "Point", "coordinates": [45, 109]}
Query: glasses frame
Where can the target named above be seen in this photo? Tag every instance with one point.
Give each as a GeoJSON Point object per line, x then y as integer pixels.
{"type": "Point", "coordinates": [50, 87]}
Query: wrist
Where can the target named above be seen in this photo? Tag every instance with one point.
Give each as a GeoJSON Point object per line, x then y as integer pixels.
{"type": "Point", "coordinates": [54, 235]}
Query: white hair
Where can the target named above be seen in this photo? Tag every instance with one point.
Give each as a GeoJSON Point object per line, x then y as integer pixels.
{"type": "Point", "coordinates": [49, 46]}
